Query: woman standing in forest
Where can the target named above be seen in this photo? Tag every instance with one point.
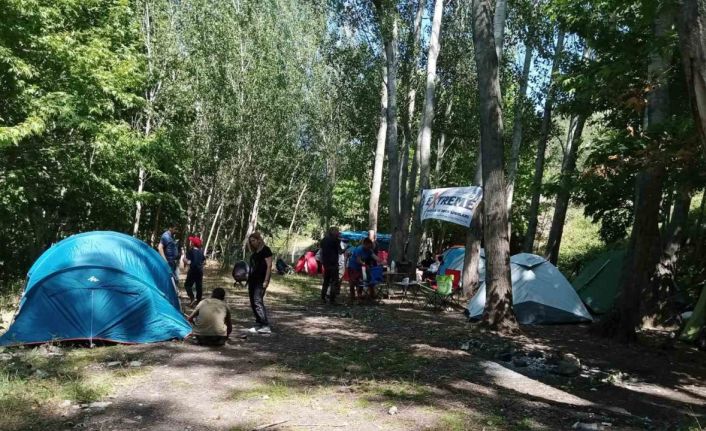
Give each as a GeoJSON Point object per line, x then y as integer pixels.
{"type": "Point", "coordinates": [258, 280]}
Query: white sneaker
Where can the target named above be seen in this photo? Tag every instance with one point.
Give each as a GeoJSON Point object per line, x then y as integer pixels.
{"type": "Point", "coordinates": [254, 330]}
{"type": "Point", "coordinates": [264, 330]}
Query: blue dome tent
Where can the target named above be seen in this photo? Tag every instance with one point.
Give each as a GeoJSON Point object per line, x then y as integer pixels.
{"type": "Point", "coordinates": [98, 286]}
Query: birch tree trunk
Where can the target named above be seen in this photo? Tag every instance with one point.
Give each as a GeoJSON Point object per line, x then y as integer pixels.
{"type": "Point", "coordinates": [252, 222]}
{"type": "Point", "coordinates": [498, 314]}
{"type": "Point", "coordinates": [397, 244]}
{"type": "Point", "coordinates": [408, 177]}
{"type": "Point", "coordinates": [294, 216]}
{"type": "Point", "coordinates": [141, 177]}
{"type": "Point", "coordinates": [517, 128]}
{"type": "Point", "coordinates": [561, 206]}
{"type": "Point", "coordinates": [541, 150]}
{"type": "Point", "coordinates": [424, 137]}
{"type": "Point", "coordinates": [499, 28]}
{"type": "Point", "coordinates": [379, 157]}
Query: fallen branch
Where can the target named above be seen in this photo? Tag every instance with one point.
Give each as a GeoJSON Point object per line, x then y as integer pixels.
{"type": "Point", "coordinates": [262, 427]}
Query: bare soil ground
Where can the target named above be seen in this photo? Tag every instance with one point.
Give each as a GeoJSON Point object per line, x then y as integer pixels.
{"type": "Point", "coordinates": [381, 367]}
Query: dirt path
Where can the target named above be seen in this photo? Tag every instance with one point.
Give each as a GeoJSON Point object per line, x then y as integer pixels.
{"type": "Point", "coordinates": [340, 368]}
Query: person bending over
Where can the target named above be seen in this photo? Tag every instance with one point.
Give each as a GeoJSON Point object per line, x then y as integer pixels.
{"type": "Point", "coordinates": [358, 258]}
{"type": "Point", "coordinates": [211, 320]}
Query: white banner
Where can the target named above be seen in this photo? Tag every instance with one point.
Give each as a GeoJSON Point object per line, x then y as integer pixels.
{"type": "Point", "coordinates": [453, 204]}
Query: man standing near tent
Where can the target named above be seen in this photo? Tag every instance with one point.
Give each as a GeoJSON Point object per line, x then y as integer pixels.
{"type": "Point", "coordinates": [211, 320]}
{"type": "Point", "coordinates": [330, 251]}
{"type": "Point", "coordinates": [168, 249]}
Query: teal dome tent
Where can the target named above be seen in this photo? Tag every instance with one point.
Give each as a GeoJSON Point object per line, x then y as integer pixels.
{"type": "Point", "coordinates": [98, 286]}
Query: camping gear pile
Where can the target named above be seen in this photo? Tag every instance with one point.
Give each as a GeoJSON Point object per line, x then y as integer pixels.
{"type": "Point", "coordinates": [95, 286]}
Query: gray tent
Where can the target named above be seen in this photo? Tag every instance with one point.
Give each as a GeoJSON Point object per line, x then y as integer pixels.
{"type": "Point", "coordinates": [540, 294]}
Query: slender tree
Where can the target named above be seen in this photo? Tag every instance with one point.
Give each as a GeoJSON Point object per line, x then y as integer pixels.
{"type": "Point", "coordinates": [498, 313]}
{"type": "Point", "coordinates": [424, 137]}
{"type": "Point", "coordinates": [542, 148]}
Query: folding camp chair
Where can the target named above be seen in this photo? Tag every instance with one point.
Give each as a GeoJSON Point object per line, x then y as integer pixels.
{"type": "Point", "coordinates": [456, 284]}
{"type": "Point", "coordinates": [440, 297]}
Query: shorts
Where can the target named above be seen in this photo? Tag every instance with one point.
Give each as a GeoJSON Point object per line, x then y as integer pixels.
{"type": "Point", "coordinates": [355, 276]}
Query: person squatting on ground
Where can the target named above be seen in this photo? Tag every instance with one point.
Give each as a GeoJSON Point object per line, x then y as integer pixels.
{"type": "Point", "coordinates": [259, 280]}
{"type": "Point", "coordinates": [330, 251]}
{"type": "Point", "coordinates": [358, 258]}
{"type": "Point", "coordinates": [169, 250]}
{"type": "Point", "coordinates": [211, 320]}
{"type": "Point", "coordinates": [195, 259]}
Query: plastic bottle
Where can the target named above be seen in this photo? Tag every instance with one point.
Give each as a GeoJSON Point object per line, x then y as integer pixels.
{"type": "Point", "coordinates": [393, 266]}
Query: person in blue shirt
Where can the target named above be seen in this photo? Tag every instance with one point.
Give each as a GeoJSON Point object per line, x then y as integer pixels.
{"type": "Point", "coordinates": [169, 250]}
{"type": "Point", "coordinates": [195, 259]}
{"type": "Point", "coordinates": [359, 256]}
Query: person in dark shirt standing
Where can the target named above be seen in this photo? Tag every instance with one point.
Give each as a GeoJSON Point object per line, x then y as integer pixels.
{"type": "Point", "coordinates": [259, 280]}
{"type": "Point", "coordinates": [169, 250]}
{"type": "Point", "coordinates": [330, 252]}
{"type": "Point", "coordinates": [195, 259]}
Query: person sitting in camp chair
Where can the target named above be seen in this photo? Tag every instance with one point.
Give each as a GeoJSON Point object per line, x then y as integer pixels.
{"type": "Point", "coordinates": [211, 320]}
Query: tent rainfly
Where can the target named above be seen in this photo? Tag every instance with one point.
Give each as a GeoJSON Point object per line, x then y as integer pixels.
{"type": "Point", "coordinates": [98, 286]}
{"type": "Point", "coordinates": [598, 284]}
{"type": "Point", "coordinates": [540, 294]}
{"type": "Point", "coordinates": [453, 261]}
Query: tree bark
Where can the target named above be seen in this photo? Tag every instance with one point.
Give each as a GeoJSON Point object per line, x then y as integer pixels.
{"type": "Point", "coordinates": [294, 217]}
{"type": "Point", "coordinates": [498, 314]}
{"type": "Point", "coordinates": [252, 222]}
{"type": "Point", "coordinates": [692, 37]}
{"type": "Point", "coordinates": [441, 148]}
{"type": "Point", "coordinates": [471, 256]}
{"type": "Point", "coordinates": [568, 168]}
{"type": "Point", "coordinates": [499, 18]}
{"type": "Point", "coordinates": [379, 157]}
{"type": "Point", "coordinates": [644, 248]}
{"type": "Point", "coordinates": [424, 137]}
{"type": "Point", "coordinates": [541, 150]}
{"type": "Point", "coordinates": [658, 303]}
{"type": "Point", "coordinates": [397, 243]}
{"type": "Point", "coordinates": [141, 177]}
{"type": "Point", "coordinates": [517, 128]}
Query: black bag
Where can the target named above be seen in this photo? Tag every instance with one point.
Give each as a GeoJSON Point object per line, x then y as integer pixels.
{"type": "Point", "coordinates": [241, 270]}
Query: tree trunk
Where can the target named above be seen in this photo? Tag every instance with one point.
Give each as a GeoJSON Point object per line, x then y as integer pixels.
{"type": "Point", "coordinates": [252, 222]}
{"type": "Point", "coordinates": [397, 243]}
{"type": "Point", "coordinates": [568, 166]}
{"type": "Point", "coordinates": [379, 157]}
{"type": "Point", "coordinates": [541, 150]}
{"type": "Point", "coordinates": [294, 217]}
{"type": "Point", "coordinates": [692, 37]}
{"type": "Point", "coordinates": [424, 138]}
{"type": "Point", "coordinates": [498, 314]}
{"type": "Point", "coordinates": [213, 225]}
{"type": "Point", "coordinates": [408, 178]}
{"type": "Point", "coordinates": [499, 18]}
{"type": "Point", "coordinates": [644, 248]}
{"type": "Point", "coordinates": [658, 303]}
{"type": "Point", "coordinates": [517, 128]}
{"type": "Point", "coordinates": [201, 226]}
{"type": "Point", "coordinates": [471, 256]}
{"type": "Point", "coordinates": [441, 148]}
{"type": "Point", "coordinates": [141, 177]}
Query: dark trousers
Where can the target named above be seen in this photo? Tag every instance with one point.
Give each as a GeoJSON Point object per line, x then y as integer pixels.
{"type": "Point", "coordinates": [257, 301]}
{"type": "Point", "coordinates": [211, 340]}
{"type": "Point", "coordinates": [330, 280]}
{"type": "Point", "coordinates": [173, 267]}
{"type": "Point", "coordinates": [194, 277]}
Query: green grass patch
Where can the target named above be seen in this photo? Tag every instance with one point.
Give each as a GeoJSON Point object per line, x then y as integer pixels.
{"type": "Point", "coordinates": [276, 389]}
{"type": "Point", "coordinates": [34, 384]}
